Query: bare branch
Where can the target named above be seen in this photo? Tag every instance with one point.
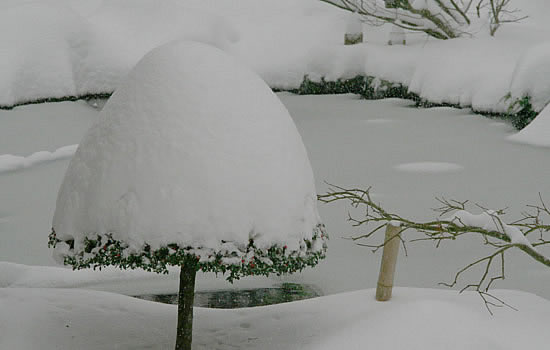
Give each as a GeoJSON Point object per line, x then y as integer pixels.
{"type": "Point", "coordinates": [443, 19]}
{"type": "Point", "coordinates": [449, 226]}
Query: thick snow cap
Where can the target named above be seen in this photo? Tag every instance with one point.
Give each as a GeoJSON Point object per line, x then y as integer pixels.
{"type": "Point", "coordinates": [193, 149]}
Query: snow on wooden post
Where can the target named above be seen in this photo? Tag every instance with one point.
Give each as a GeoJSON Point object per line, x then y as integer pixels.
{"type": "Point", "coordinates": [389, 260]}
{"type": "Point", "coordinates": [354, 30]}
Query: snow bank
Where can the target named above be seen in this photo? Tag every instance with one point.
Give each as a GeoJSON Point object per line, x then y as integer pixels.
{"type": "Point", "coordinates": [178, 157]}
{"type": "Point", "coordinates": [537, 133]}
{"type": "Point", "coordinates": [415, 319]}
{"type": "Point", "coordinates": [532, 76]}
{"type": "Point", "coordinates": [59, 52]}
{"type": "Point", "coordinates": [10, 162]}
{"type": "Point", "coordinates": [335, 62]}
{"type": "Point", "coordinates": [125, 30]}
{"type": "Point", "coordinates": [96, 43]}
{"type": "Point", "coordinates": [464, 72]}
{"type": "Point", "coordinates": [113, 279]}
{"type": "Point", "coordinates": [41, 46]}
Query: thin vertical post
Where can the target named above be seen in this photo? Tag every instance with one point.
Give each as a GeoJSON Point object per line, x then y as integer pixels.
{"type": "Point", "coordinates": [186, 298]}
{"type": "Point", "coordinates": [389, 261]}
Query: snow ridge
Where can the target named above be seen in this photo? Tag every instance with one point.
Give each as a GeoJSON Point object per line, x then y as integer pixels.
{"type": "Point", "coordinates": [9, 162]}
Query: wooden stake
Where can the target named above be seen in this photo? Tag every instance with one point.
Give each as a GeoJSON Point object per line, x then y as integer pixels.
{"type": "Point", "coordinates": [389, 260]}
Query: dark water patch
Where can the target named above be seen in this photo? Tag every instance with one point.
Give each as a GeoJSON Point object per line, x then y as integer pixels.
{"type": "Point", "coordinates": [239, 298]}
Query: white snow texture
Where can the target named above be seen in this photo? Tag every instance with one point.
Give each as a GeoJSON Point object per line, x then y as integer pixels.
{"type": "Point", "coordinates": [537, 133]}
{"type": "Point", "coordinates": [61, 50]}
{"type": "Point", "coordinates": [192, 149]}
{"type": "Point", "coordinates": [532, 76]}
{"type": "Point", "coordinates": [426, 319]}
{"type": "Point", "coordinates": [9, 162]}
{"type": "Point", "coordinates": [428, 167]}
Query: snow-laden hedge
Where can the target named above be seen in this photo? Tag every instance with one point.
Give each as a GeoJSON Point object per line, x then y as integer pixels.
{"type": "Point", "coordinates": [232, 259]}
{"type": "Point", "coordinates": [55, 51]}
{"type": "Point", "coordinates": [67, 50]}
{"type": "Point", "coordinates": [530, 87]}
{"type": "Point", "coordinates": [532, 77]}
{"type": "Point", "coordinates": [520, 113]}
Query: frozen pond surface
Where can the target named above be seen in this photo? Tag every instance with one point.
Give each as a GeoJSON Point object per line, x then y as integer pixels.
{"type": "Point", "coordinates": [408, 155]}
{"type": "Point", "coordinates": [235, 299]}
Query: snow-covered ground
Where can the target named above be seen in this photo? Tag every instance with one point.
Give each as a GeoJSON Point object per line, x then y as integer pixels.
{"type": "Point", "coordinates": [416, 319]}
{"type": "Point", "coordinates": [78, 47]}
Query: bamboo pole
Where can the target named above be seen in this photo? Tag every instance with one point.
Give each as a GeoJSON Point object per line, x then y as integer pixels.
{"type": "Point", "coordinates": [389, 260]}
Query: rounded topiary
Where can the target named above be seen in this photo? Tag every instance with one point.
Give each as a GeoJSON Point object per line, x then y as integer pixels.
{"type": "Point", "coordinates": [194, 162]}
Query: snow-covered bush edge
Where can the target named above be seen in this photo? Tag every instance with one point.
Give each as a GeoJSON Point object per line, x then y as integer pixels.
{"type": "Point", "coordinates": [520, 112]}
{"type": "Point", "coordinates": [236, 260]}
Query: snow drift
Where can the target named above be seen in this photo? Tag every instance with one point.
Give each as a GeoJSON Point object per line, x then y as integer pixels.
{"type": "Point", "coordinates": [537, 133]}
{"type": "Point", "coordinates": [416, 319]}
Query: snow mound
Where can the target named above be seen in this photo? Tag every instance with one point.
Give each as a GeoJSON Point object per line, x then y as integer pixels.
{"type": "Point", "coordinates": [428, 167]}
{"type": "Point", "coordinates": [416, 319]}
{"type": "Point", "coordinates": [532, 76]}
{"type": "Point", "coordinates": [192, 149]}
{"type": "Point", "coordinates": [537, 133]}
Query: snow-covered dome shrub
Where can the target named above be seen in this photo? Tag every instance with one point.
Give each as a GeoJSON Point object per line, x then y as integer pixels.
{"type": "Point", "coordinates": [193, 156]}
{"type": "Point", "coordinates": [532, 77]}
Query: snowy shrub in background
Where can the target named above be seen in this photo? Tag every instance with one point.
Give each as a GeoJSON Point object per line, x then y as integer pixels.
{"type": "Point", "coordinates": [531, 77]}
{"type": "Point", "coordinates": [536, 133]}
{"type": "Point", "coordinates": [49, 43]}
{"type": "Point", "coordinates": [51, 52]}
{"type": "Point", "coordinates": [530, 87]}
{"type": "Point", "coordinates": [368, 87]}
{"type": "Point", "coordinates": [166, 178]}
{"type": "Point", "coordinates": [441, 19]}
{"type": "Point", "coordinates": [499, 13]}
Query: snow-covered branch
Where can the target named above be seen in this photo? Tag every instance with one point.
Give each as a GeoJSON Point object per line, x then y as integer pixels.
{"type": "Point", "coordinates": [441, 19]}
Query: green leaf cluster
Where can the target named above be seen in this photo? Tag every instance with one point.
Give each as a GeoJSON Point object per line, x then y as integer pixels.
{"type": "Point", "coordinates": [103, 250]}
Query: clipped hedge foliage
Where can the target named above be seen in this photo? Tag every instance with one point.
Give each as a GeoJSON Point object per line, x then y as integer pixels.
{"type": "Point", "coordinates": [237, 261]}
{"type": "Point", "coordinates": [86, 97]}
{"type": "Point", "coordinates": [370, 88]}
{"type": "Point", "coordinates": [520, 112]}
